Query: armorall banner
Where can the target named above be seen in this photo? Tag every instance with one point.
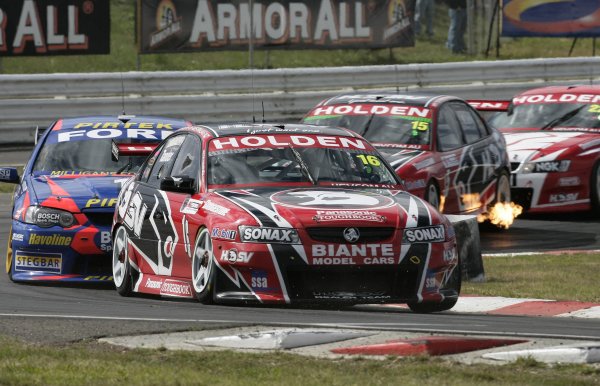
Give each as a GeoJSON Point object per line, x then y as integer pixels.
{"type": "Point", "coordinates": [54, 27]}
{"type": "Point", "coordinates": [566, 18]}
{"type": "Point", "coordinates": [204, 25]}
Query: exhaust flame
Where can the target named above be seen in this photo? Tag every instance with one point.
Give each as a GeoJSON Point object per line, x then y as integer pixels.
{"type": "Point", "coordinates": [502, 214]}
{"type": "Point", "coordinates": [471, 201]}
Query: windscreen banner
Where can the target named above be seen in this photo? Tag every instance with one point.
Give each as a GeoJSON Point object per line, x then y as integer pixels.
{"type": "Point", "coordinates": [54, 27]}
{"type": "Point", "coordinates": [208, 25]}
{"type": "Point", "coordinates": [551, 18]}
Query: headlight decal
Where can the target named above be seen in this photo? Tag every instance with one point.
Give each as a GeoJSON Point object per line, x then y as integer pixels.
{"type": "Point", "coordinates": [48, 217]}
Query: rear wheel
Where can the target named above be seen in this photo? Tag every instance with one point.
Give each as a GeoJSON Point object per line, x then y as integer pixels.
{"type": "Point", "coordinates": [454, 283]}
{"type": "Point", "coordinates": [203, 267]}
{"type": "Point", "coordinates": [503, 188]}
{"type": "Point", "coordinates": [432, 195]}
{"type": "Point", "coordinates": [595, 188]}
{"type": "Point", "coordinates": [120, 263]}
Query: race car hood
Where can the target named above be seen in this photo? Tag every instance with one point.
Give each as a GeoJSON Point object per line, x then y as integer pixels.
{"type": "Point", "coordinates": [326, 207]}
{"type": "Point", "coordinates": [75, 192]}
{"type": "Point", "coordinates": [544, 145]}
{"type": "Point", "coordinates": [398, 157]}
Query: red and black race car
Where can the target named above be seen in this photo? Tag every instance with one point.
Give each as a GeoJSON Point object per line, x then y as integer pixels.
{"type": "Point", "coordinates": [280, 214]}
{"type": "Point", "coordinates": [553, 142]}
{"type": "Point", "coordinates": [64, 201]}
{"type": "Point", "coordinates": [439, 146]}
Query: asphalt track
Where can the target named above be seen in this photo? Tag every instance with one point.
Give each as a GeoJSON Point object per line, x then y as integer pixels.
{"type": "Point", "coordinates": [51, 313]}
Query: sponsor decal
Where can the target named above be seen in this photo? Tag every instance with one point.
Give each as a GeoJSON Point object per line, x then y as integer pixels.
{"type": "Point", "coordinates": [425, 234]}
{"type": "Point", "coordinates": [569, 181]}
{"type": "Point", "coordinates": [563, 197]}
{"type": "Point", "coordinates": [259, 280]}
{"type": "Point", "coordinates": [350, 295]}
{"type": "Point", "coordinates": [415, 260]}
{"type": "Point", "coordinates": [221, 233]}
{"type": "Point", "coordinates": [35, 261]}
{"type": "Point", "coordinates": [105, 241]}
{"type": "Point", "coordinates": [176, 288]}
{"type": "Point", "coordinates": [398, 19]}
{"type": "Point", "coordinates": [54, 239]}
{"type": "Point", "coordinates": [414, 184]}
{"type": "Point", "coordinates": [251, 234]}
{"type": "Point", "coordinates": [60, 173]}
{"type": "Point", "coordinates": [46, 219]}
{"type": "Point", "coordinates": [321, 253]}
{"type": "Point", "coordinates": [169, 287]}
{"type": "Point", "coordinates": [212, 207]}
{"type": "Point", "coordinates": [351, 235]}
{"type": "Point", "coordinates": [4, 174]}
{"type": "Point", "coordinates": [372, 109]}
{"type": "Point", "coordinates": [425, 163]}
{"type": "Point", "coordinates": [136, 212]}
{"type": "Point", "coordinates": [448, 255]}
{"type": "Point", "coordinates": [151, 131]}
{"type": "Point", "coordinates": [101, 203]}
{"type": "Point", "coordinates": [191, 206]}
{"type": "Point", "coordinates": [450, 160]}
{"type": "Point", "coordinates": [431, 282]}
{"type": "Point", "coordinates": [233, 256]}
{"type": "Point", "coordinates": [342, 215]}
{"type": "Point", "coordinates": [281, 140]}
{"type": "Point", "coordinates": [17, 237]}
{"type": "Point", "coordinates": [552, 166]}
{"type": "Point", "coordinates": [554, 98]}
{"type": "Point", "coordinates": [331, 199]}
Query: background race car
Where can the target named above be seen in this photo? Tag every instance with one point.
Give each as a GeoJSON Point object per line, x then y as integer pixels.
{"type": "Point", "coordinates": [280, 214]}
{"type": "Point", "coordinates": [439, 146]}
{"type": "Point", "coordinates": [63, 204]}
{"type": "Point", "coordinates": [553, 141]}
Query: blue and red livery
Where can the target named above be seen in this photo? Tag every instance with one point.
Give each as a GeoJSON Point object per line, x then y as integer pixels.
{"type": "Point", "coordinates": [64, 202]}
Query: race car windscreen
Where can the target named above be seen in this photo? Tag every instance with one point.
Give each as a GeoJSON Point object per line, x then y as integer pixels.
{"type": "Point", "coordinates": [296, 161]}
{"type": "Point", "coordinates": [541, 115]}
{"type": "Point", "coordinates": [378, 123]}
{"type": "Point", "coordinates": [89, 156]}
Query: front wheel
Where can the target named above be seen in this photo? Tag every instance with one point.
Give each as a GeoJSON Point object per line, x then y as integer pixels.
{"type": "Point", "coordinates": [120, 264]}
{"type": "Point", "coordinates": [503, 188]}
{"type": "Point", "coordinates": [432, 195]}
{"type": "Point", "coordinates": [454, 284]}
{"type": "Point", "coordinates": [595, 188]}
{"type": "Point", "coordinates": [203, 268]}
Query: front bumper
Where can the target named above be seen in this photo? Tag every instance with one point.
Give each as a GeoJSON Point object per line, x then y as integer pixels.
{"type": "Point", "coordinates": [79, 254]}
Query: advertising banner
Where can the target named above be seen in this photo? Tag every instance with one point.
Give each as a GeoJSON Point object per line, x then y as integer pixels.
{"type": "Point", "coordinates": [205, 25]}
{"type": "Point", "coordinates": [54, 27]}
{"type": "Point", "coordinates": [552, 18]}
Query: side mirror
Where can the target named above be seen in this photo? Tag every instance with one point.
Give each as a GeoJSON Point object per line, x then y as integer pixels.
{"type": "Point", "coordinates": [9, 175]}
{"type": "Point", "coordinates": [178, 184]}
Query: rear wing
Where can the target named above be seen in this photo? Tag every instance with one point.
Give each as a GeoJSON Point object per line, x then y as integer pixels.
{"type": "Point", "coordinates": [490, 105]}
{"type": "Point", "coordinates": [131, 149]}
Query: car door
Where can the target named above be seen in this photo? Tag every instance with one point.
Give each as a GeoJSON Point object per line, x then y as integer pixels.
{"type": "Point", "coordinates": [153, 230]}
{"type": "Point", "coordinates": [186, 173]}
{"type": "Point", "coordinates": [480, 158]}
{"type": "Point", "coordinates": [450, 144]}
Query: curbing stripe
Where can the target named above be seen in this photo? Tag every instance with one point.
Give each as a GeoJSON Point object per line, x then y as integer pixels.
{"type": "Point", "coordinates": [542, 308]}
{"type": "Point", "coordinates": [592, 312]}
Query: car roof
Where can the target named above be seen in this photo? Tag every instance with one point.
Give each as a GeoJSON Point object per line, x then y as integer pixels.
{"type": "Point", "coordinates": [411, 98]}
{"type": "Point", "coordinates": [92, 122]}
{"type": "Point", "coordinates": [242, 128]}
{"type": "Point", "coordinates": [571, 89]}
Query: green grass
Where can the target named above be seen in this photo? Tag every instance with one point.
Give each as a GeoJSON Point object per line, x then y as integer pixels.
{"type": "Point", "coordinates": [558, 277]}
{"type": "Point", "coordinates": [92, 363]}
{"type": "Point", "coordinates": [124, 57]}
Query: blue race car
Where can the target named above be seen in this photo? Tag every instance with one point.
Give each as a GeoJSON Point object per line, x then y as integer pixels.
{"type": "Point", "coordinates": [64, 202]}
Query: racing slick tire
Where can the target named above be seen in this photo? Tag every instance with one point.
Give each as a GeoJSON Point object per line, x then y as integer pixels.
{"type": "Point", "coordinates": [595, 188]}
{"type": "Point", "coordinates": [432, 195]}
{"type": "Point", "coordinates": [120, 263]}
{"type": "Point", "coordinates": [203, 267]}
{"type": "Point", "coordinates": [9, 255]}
{"type": "Point", "coordinates": [454, 283]}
